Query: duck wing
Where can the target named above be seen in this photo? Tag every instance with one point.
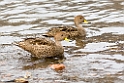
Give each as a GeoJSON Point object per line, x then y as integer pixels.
{"type": "Point", "coordinates": [40, 41]}
{"type": "Point", "coordinates": [51, 32]}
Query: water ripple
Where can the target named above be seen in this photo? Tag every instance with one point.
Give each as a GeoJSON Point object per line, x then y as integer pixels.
{"type": "Point", "coordinates": [98, 58]}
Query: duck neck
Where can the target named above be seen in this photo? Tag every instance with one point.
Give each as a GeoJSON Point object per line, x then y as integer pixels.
{"type": "Point", "coordinates": [79, 26]}
{"type": "Point", "coordinates": [81, 30]}
{"type": "Point", "coordinates": [58, 43]}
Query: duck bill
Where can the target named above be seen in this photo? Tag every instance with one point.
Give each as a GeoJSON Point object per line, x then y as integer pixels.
{"type": "Point", "coordinates": [85, 21]}
{"type": "Point", "coordinates": [66, 39]}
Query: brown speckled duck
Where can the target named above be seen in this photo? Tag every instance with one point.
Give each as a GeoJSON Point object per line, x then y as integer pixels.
{"type": "Point", "coordinates": [70, 31]}
{"type": "Point", "coordinates": [44, 47]}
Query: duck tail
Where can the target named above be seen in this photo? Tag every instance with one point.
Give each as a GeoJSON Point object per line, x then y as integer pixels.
{"type": "Point", "coordinates": [15, 43]}
{"type": "Point", "coordinates": [47, 35]}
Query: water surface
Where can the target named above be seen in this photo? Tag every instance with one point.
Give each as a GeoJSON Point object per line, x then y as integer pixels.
{"type": "Point", "coordinates": [97, 59]}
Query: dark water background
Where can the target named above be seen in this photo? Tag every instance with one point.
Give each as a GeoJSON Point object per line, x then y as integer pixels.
{"type": "Point", "coordinates": [97, 59]}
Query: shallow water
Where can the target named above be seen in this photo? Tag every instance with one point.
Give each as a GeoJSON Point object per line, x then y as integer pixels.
{"type": "Point", "coordinates": [97, 59]}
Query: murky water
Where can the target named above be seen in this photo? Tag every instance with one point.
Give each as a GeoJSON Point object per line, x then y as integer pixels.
{"type": "Point", "coordinates": [97, 59]}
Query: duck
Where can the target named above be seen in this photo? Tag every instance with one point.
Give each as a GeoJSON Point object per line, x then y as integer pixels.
{"type": "Point", "coordinates": [71, 31]}
{"type": "Point", "coordinates": [44, 47]}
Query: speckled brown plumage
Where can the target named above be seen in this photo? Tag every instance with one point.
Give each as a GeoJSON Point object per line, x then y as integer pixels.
{"type": "Point", "coordinates": [44, 47]}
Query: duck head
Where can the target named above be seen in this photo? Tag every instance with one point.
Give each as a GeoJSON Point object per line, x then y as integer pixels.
{"type": "Point", "coordinates": [79, 19]}
{"type": "Point", "coordinates": [61, 36]}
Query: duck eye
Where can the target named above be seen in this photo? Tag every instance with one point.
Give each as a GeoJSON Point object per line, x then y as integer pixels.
{"type": "Point", "coordinates": [62, 35]}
